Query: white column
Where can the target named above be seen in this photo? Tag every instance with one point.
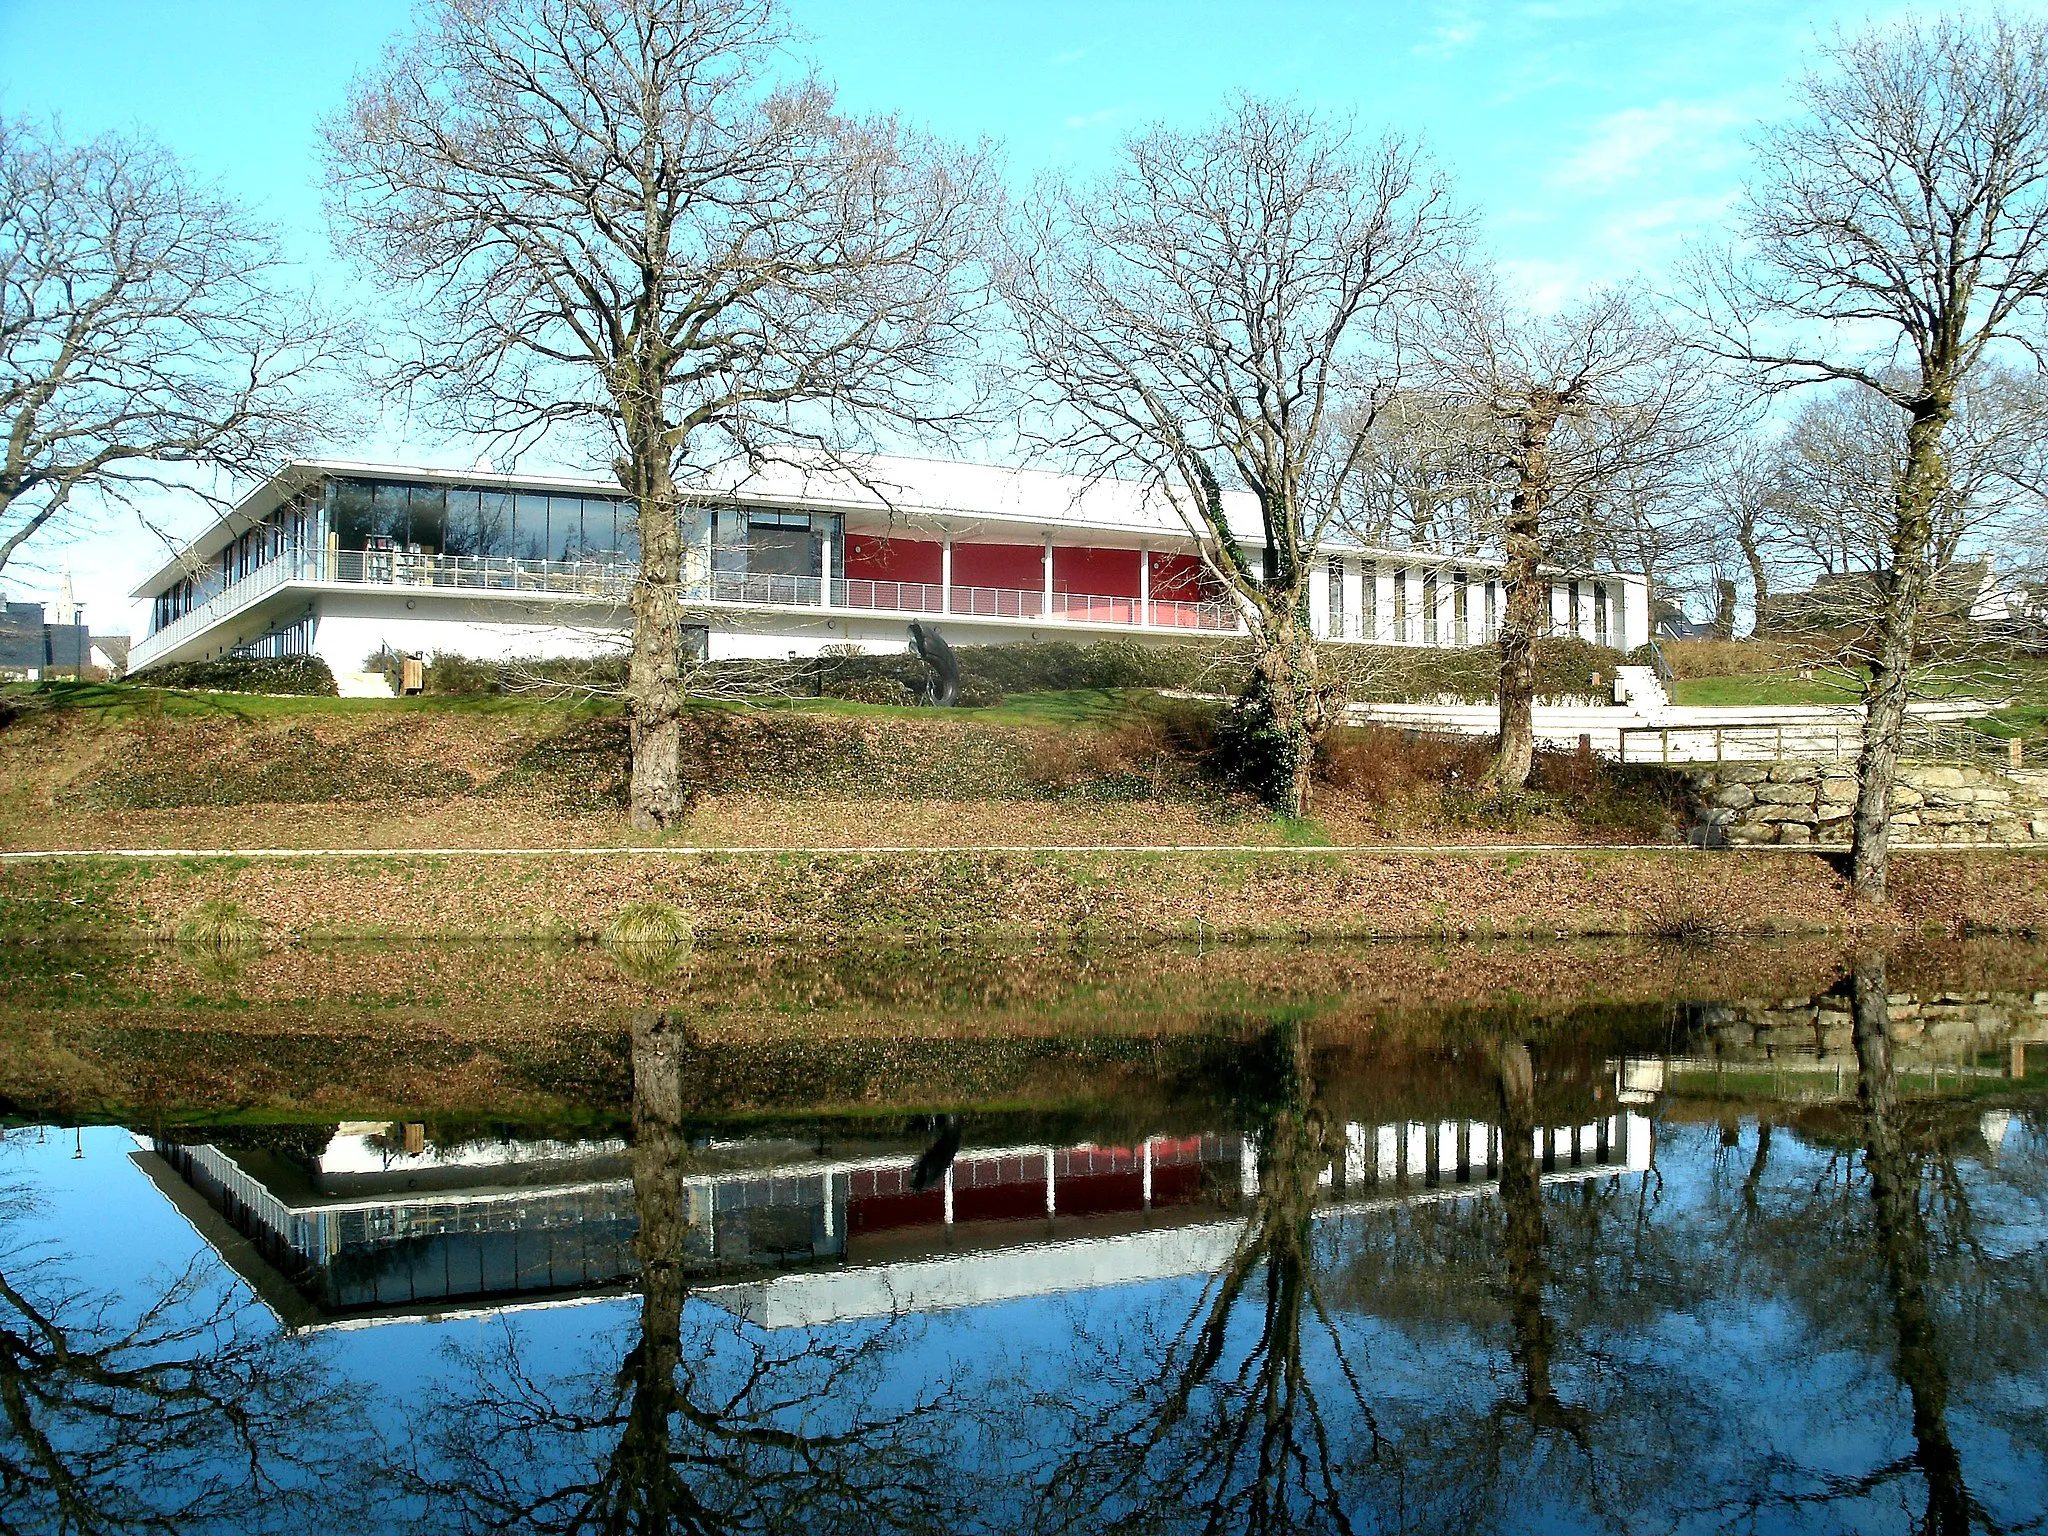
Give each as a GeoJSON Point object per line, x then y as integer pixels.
{"type": "Point", "coordinates": [1354, 1155]}
{"type": "Point", "coordinates": [1248, 1166]}
{"type": "Point", "coordinates": [1635, 600]}
{"type": "Point", "coordinates": [1048, 576]}
{"type": "Point", "coordinates": [946, 576]}
{"type": "Point", "coordinates": [1560, 609]}
{"type": "Point", "coordinates": [1319, 600]}
{"type": "Point", "coordinates": [825, 573]}
{"type": "Point", "coordinates": [1386, 1148]}
{"type": "Point", "coordinates": [1447, 1148]}
{"type": "Point", "coordinates": [1145, 618]}
{"type": "Point", "coordinates": [1049, 1202]}
{"type": "Point", "coordinates": [1382, 603]}
{"type": "Point", "coordinates": [1635, 1137]}
{"type": "Point", "coordinates": [1148, 1173]}
{"type": "Point", "coordinates": [1418, 1151]}
{"type": "Point", "coordinates": [949, 1194]}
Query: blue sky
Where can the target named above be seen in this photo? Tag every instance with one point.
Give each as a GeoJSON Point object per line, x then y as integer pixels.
{"type": "Point", "coordinates": [1594, 137]}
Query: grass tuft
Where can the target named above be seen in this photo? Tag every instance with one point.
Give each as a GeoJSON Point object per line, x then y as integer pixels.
{"type": "Point", "coordinates": [220, 928]}
{"type": "Point", "coordinates": [647, 922]}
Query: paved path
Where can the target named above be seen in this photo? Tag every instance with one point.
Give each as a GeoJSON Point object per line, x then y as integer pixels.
{"type": "Point", "coordinates": [692, 851]}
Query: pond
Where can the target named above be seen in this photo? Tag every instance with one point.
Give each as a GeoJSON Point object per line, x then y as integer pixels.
{"type": "Point", "coordinates": [1277, 1238]}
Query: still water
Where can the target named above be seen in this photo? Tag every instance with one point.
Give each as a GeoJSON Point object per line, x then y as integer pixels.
{"type": "Point", "coordinates": [1573, 1241]}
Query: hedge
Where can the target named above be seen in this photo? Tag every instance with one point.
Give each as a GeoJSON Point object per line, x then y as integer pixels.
{"type": "Point", "coordinates": [1386, 673]}
{"type": "Point", "coordinates": [243, 674]}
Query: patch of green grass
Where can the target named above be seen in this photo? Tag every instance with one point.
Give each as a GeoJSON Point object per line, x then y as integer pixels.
{"type": "Point", "coordinates": [116, 702]}
{"type": "Point", "coordinates": [1300, 832]}
{"type": "Point", "coordinates": [1765, 690]}
{"type": "Point", "coordinates": [1077, 706]}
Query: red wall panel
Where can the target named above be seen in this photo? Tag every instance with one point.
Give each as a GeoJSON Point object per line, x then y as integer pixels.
{"type": "Point", "coordinates": [873, 559]}
{"type": "Point", "coordinates": [1182, 577]}
{"type": "Point", "coordinates": [1018, 567]}
{"type": "Point", "coordinates": [1096, 572]}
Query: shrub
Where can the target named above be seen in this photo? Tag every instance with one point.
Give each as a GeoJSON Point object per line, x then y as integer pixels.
{"type": "Point", "coordinates": [1401, 674]}
{"type": "Point", "coordinates": [447, 673]}
{"type": "Point", "coordinates": [1739, 658]}
{"type": "Point", "coordinates": [244, 674]}
{"type": "Point", "coordinates": [870, 690]}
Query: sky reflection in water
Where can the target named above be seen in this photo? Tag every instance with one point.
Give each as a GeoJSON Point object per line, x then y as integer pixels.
{"type": "Point", "coordinates": [1530, 1281]}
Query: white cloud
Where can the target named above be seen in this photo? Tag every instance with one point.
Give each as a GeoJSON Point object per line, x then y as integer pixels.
{"type": "Point", "coordinates": [1636, 142]}
{"type": "Point", "coordinates": [1097, 119]}
{"type": "Point", "coordinates": [1448, 38]}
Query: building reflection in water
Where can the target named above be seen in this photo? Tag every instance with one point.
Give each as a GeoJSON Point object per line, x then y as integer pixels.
{"type": "Point", "coordinates": [782, 1235]}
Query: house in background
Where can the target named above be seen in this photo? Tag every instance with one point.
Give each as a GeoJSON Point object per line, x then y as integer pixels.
{"type": "Point", "coordinates": [344, 560]}
{"type": "Point", "coordinates": [32, 646]}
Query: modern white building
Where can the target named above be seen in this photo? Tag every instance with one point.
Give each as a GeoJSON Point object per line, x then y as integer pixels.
{"type": "Point", "coordinates": [345, 559]}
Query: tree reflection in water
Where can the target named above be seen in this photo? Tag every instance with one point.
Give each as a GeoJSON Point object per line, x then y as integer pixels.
{"type": "Point", "coordinates": [1218, 1424]}
{"type": "Point", "coordinates": [705, 1424]}
{"type": "Point", "coordinates": [1903, 1243]}
{"type": "Point", "coordinates": [178, 1408]}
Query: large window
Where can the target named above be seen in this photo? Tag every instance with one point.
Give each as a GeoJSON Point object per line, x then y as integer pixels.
{"type": "Point", "coordinates": [482, 522]}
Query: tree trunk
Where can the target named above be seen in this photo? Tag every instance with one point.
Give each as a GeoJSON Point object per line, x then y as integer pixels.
{"type": "Point", "coordinates": [1523, 616]}
{"type": "Point", "coordinates": [1525, 1251]}
{"type": "Point", "coordinates": [1903, 1243]}
{"type": "Point", "coordinates": [1759, 578]}
{"type": "Point", "coordinates": [1891, 666]}
{"type": "Point", "coordinates": [653, 679]}
{"type": "Point", "coordinates": [643, 1492]}
{"type": "Point", "coordinates": [1724, 608]}
{"type": "Point", "coordinates": [1298, 702]}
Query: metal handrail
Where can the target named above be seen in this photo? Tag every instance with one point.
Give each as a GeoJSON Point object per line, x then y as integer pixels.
{"type": "Point", "coordinates": [1839, 741]}
{"type": "Point", "coordinates": [610, 579]}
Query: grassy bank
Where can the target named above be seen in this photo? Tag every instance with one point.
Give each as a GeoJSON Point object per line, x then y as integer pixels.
{"type": "Point", "coordinates": [114, 767]}
{"type": "Point", "coordinates": [1071, 896]}
{"type": "Point", "coordinates": [494, 1033]}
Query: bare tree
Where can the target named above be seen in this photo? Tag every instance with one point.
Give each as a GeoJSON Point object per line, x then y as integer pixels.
{"type": "Point", "coordinates": [609, 219]}
{"type": "Point", "coordinates": [1425, 478]}
{"type": "Point", "coordinates": [181, 1407]}
{"type": "Point", "coordinates": [1845, 450]}
{"type": "Point", "coordinates": [1206, 318]}
{"type": "Point", "coordinates": [1897, 238]}
{"type": "Point", "coordinates": [149, 338]}
{"type": "Point", "coordinates": [1741, 500]}
{"type": "Point", "coordinates": [1578, 402]}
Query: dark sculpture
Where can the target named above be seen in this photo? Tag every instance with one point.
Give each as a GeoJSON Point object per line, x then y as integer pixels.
{"type": "Point", "coordinates": [938, 1157]}
{"type": "Point", "coordinates": [941, 666]}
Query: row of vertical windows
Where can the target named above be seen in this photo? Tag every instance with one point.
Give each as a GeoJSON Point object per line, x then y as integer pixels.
{"type": "Point", "coordinates": [1607, 618]}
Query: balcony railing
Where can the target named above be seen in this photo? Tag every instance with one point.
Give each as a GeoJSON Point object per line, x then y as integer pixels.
{"type": "Point", "coordinates": [611, 580]}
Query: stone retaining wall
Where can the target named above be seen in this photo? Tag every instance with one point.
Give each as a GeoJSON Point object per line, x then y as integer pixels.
{"type": "Point", "coordinates": [1950, 1027]}
{"type": "Point", "coordinates": [1813, 802]}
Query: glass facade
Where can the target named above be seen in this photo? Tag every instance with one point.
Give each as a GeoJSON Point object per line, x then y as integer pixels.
{"type": "Point", "coordinates": [483, 522]}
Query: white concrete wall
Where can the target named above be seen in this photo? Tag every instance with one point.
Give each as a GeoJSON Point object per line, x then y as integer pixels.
{"type": "Point", "coordinates": [351, 627]}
